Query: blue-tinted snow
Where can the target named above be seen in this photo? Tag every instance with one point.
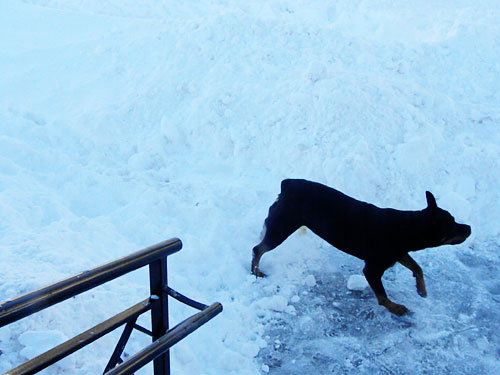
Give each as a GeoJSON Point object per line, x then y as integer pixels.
{"type": "Point", "coordinates": [125, 122]}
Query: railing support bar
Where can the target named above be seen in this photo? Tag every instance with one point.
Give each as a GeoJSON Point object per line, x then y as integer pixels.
{"type": "Point", "coordinates": [143, 330]}
{"type": "Point", "coordinates": [182, 298]}
{"type": "Point", "coordinates": [120, 346]}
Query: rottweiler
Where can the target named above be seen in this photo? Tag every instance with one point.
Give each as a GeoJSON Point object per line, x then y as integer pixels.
{"type": "Point", "coordinates": [379, 236]}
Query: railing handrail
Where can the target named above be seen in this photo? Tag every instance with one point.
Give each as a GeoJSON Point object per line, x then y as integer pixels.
{"type": "Point", "coordinates": [40, 299]}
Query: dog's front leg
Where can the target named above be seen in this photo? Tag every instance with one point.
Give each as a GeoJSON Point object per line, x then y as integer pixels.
{"type": "Point", "coordinates": [374, 277]}
{"type": "Point", "coordinates": [410, 263]}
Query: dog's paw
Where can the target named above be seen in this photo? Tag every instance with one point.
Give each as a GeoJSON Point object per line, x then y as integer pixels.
{"type": "Point", "coordinates": [397, 309]}
{"type": "Point", "coordinates": [258, 273]}
{"type": "Point", "coordinates": [421, 289]}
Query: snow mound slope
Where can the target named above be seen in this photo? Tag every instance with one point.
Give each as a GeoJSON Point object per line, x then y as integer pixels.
{"type": "Point", "coordinates": [125, 123]}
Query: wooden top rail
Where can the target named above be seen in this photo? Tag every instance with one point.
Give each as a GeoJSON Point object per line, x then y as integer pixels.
{"type": "Point", "coordinates": [27, 304]}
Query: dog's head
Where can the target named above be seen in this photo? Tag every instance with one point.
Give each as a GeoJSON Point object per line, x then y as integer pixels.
{"type": "Point", "coordinates": [444, 230]}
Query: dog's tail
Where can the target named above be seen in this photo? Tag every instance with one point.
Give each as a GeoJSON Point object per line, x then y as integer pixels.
{"type": "Point", "coordinates": [285, 185]}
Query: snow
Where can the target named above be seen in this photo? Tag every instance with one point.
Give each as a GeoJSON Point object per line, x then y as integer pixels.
{"type": "Point", "coordinates": [310, 281]}
{"type": "Point", "coordinates": [38, 342]}
{"type": "Point", "coordinates": [357, 282]}
{"type": "Point", "coordinates": [124, 123]}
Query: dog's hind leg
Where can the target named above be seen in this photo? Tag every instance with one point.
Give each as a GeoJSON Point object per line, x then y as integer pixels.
{"type": "Point", "coordinates": [258, 251]}
{"type": "Point", "coordinates": [410, 263]}
{"type": "Point", "coordinates": [277, 227]}
{"type": "Point", "coordinates": [374, 277]}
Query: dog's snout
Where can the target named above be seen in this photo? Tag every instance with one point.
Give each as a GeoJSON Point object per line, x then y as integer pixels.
{"type": "Point", "coordinates": [464, 230]}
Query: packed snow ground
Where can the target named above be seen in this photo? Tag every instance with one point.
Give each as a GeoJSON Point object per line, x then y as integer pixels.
{"type": "Point", "coordinates": [124, 123]}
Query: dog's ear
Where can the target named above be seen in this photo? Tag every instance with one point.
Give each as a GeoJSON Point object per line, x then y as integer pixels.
{"type": "Point", "coordinates": [431, 201]}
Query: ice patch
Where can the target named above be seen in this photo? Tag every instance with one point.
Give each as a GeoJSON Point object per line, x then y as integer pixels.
{"type": "Point", "coordinates": [274, 303]}
{"type": "Point", "coordinates": [357, 282]}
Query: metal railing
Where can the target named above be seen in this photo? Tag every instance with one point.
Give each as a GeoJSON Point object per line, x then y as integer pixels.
{"type": "Point", "coordinates": [163, 338]}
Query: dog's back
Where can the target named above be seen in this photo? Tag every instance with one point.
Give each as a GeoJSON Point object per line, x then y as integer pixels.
{"type": "Point", "coordinates": [339, 219]}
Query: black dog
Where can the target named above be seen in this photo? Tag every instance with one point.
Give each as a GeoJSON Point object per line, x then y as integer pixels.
{"type": "Point", "coordinates": [379, 236]}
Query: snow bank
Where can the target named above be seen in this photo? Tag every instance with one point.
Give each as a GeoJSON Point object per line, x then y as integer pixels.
{"type": "Point", "coordinates": [124, 123]}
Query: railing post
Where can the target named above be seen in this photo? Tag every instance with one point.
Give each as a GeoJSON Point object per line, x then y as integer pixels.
{"type": "Point", "coordinates": [159, 311]}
